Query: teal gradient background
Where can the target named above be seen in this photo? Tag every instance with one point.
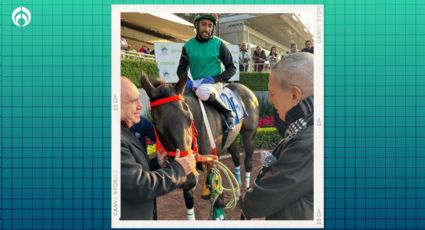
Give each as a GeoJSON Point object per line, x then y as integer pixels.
{"type": "Point", "coordinates": [56, 112]}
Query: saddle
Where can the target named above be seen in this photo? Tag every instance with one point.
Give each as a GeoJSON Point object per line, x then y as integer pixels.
{"type": "Point", "coordinates": [234, 102]}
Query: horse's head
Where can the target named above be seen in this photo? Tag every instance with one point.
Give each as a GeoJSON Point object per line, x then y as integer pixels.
{"type": "Point", "coordinates": [171, 116]}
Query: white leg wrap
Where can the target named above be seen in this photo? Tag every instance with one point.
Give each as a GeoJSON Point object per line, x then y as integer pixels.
{"type": "Point", "coordinates": [190, 213]}
{"type": "Point", "coordinates": [238, 174]}
{"type": "Point", "coordinates": [247, 179]}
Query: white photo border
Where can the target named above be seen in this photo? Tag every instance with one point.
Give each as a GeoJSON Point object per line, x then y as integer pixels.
{"type": "Point", "coordinates": [317, 10]}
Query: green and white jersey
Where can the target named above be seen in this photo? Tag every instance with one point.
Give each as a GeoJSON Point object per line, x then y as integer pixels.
{"type": "Point", "coordinates": [204, 58]}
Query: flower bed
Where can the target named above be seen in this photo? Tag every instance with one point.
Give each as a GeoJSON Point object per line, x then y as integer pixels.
{"type": "Point", "coordinates": [267, 121]}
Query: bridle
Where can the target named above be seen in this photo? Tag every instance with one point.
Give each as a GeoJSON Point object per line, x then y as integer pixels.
{"type": "Point", "coordinates": [160, 148]}
{"type": "Point", "coordinates": [210, 163]}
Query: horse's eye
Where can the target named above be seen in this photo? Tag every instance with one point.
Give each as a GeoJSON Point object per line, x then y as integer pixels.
{"type": "Point", "coordinates": [185, 107]}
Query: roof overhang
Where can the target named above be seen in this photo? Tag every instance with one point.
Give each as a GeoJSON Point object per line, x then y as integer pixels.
{"type": "Point", "coordinates": [280, 27]}
{"type": "Point", "coordinates": [165, 24]}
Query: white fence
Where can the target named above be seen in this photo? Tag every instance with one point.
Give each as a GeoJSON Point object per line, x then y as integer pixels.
{"type": "Point", "coordinates": [136, 55]}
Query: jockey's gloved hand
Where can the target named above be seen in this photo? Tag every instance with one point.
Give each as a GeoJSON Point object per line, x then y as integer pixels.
{"type": "Point", "coordinates": [208, 80]}
{"type": "Point", "coordinates": [189, 84]}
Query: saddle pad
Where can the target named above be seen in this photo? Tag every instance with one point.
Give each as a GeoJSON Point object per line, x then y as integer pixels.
{"type": "Point", "coordinates": [234, 102]}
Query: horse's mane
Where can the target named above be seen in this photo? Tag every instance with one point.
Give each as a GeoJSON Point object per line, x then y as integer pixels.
{"type": "Point", "coordinates": [158, 83]}
{"type": "Point", "coordinates": [188, 92]}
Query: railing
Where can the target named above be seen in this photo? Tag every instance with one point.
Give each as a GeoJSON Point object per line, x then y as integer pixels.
{"type": "Point", "coordinates": [256, 67]}
{"type": "Point", "coordinates": [136, 55]}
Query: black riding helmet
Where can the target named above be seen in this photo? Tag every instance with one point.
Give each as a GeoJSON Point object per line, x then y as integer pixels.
{"type": "Point", "coordinates": [212, 17]}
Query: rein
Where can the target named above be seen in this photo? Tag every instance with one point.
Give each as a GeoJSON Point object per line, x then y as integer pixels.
{"type": "Point", "coordinates": [160, 148]}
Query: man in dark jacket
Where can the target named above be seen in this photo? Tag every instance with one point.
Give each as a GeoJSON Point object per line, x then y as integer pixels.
{"type": "Point", "coordinates": [259, 57]}
{"type": "Point", "coordinates": [308, 47]}
{"type": "Point", "coordinates": [283, 190]}
{"type": "Point", "coordinates": [142, 179]}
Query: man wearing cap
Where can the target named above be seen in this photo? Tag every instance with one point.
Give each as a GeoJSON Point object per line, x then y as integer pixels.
{"type": "Point", "coordinates": [205, 54]}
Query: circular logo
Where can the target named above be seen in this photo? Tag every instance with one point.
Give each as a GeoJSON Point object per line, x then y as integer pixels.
{"type": "Point", "coordinates": [21, 16]}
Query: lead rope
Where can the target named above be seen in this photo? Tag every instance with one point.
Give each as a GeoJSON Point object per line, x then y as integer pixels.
{"type": "Point", "coordinates": [217, 189]}
{"type": "Point", "coordinates": [213, 180]}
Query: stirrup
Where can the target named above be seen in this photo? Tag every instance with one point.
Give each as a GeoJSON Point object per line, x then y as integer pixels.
{"type": "Point", "coordinates": [230, 121]}
{"type": "Point", "coordinates": [229, 126]}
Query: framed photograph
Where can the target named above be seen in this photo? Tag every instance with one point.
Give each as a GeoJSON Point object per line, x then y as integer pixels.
{"type": "Point", "coordinates": [156, 34]}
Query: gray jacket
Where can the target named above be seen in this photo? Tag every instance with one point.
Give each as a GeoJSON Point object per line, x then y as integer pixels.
{"type": "Point", "coordinates": [284, 191]}
{"type": "Point", "coordinates": [142, 180]}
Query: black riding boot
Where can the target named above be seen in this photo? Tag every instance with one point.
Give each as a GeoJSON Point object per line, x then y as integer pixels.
{"type": "Point", "coordinates": [222, 108]}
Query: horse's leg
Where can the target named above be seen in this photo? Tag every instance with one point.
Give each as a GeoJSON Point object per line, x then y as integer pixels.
{"type": "Point", "coordinates": [188, 188]}
{"type": "Point", "coordinates": [234, 152]}
{"type": "Point", "coordinates": [248, 139]}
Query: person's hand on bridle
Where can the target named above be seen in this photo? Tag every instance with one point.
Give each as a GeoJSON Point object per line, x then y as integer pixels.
{"type": "Point", "coordinates": [188, 162]}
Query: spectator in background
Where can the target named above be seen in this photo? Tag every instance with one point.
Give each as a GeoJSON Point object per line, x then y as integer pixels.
{"type": "Point", "coordinates": [273, 57]}
{"type": "Point", "coordinates": [259, 58]}
{"type": "Point", "coordinates": [143, 130]}
{"type": "Point", "coordinates": [308, 47]}
{"type": "Point", "coordinates": [244, 57]}
{"type": "Point", "coordinates": [293, 50]}
{"type": "Point", "coordinates": [142, 50]}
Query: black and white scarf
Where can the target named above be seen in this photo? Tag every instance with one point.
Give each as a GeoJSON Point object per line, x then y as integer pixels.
{"type": "Point", "coordinates": [299, 117]}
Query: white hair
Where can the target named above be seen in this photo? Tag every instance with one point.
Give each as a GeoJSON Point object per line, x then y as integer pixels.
{"type": "Point", "coordinates": [296, 70]}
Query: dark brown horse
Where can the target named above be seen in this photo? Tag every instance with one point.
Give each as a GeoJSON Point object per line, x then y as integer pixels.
{"type": "Point", "coordinates": [173, 122]}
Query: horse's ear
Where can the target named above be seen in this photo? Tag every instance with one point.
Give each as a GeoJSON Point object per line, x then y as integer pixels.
{"type": "Point", "coordinates": [181, 84]}
{"type": "Point", "coordinates": [146, 84]}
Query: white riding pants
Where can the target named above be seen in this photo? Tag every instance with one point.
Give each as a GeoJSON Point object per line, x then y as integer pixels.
{"type": "Point", "coordinates": [203, 91]}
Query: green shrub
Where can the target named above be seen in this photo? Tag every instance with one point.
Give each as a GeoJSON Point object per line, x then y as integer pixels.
{"type": "Point", "coordinates": [133, 68]}
{"type": "Point", "coordinates": [255, 81]}
{"type": "Point", "coordinates": [267, 138]}
{"type": "Point", "coordinates": [264, 107]}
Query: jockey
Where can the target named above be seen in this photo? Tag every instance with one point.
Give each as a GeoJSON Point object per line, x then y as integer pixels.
{"type": "Point", "coordinates": [205, 54]}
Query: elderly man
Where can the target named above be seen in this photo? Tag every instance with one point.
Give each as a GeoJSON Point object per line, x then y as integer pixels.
{"type": "Point", "coordinates": [144, 179]}
{"type": "Point", "coordinates": [283, 190]}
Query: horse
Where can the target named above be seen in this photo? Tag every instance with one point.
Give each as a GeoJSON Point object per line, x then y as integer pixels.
{"type": "Point", "coordinates": [174, 120]}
